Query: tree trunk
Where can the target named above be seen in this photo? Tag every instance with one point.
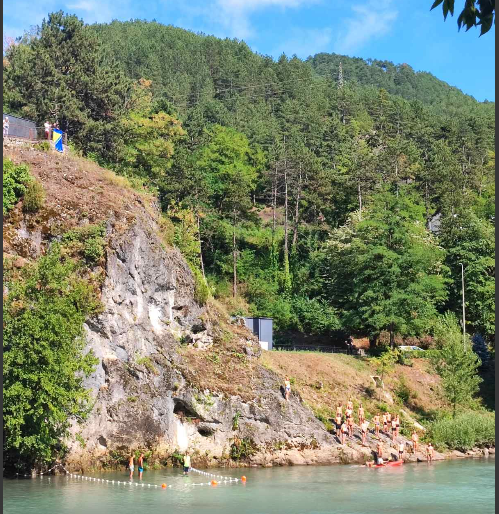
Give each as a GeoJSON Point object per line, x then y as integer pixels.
{"type": "Point", "coordinates": [201, 263]}
{"type": "Point", "coordinates": [392, 337]}
{"type": "Point", "coordinates": [297, 213]}
{"type": "Point", "coordinates": [234, 256]}
{"type": "Point", "coordinates": [359, 192]}
{"type": "Point", "coordinates": [373, 341]}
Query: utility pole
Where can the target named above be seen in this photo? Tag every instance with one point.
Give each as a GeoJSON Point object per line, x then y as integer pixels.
{"type": "Point", "coordinates": [464, 325]}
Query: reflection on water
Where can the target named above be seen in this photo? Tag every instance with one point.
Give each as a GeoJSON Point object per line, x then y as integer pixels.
{"type": "Point", "coordinates": [460, 487]}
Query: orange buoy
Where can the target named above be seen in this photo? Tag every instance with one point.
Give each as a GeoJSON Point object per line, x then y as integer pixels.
{"type": "Point", "coordinates": [214, 482]}
{"type": "Point", "coordinates": [163, 486]}
{"type": "Point", "coordinates": [243, 479]}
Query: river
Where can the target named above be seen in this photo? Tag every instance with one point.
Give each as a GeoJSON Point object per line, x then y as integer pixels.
{"type": "Point", "coordinates": [459, 486]}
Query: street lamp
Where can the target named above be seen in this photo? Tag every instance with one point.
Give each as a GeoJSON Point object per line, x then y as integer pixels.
{"type": "Point", "coordinates": [464, 326]}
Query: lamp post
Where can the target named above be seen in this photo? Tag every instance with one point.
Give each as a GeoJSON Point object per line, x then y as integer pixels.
{"type": "Point", "coordinates": [462, 285]}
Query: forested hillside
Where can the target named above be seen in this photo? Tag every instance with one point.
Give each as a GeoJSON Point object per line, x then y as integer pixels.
{"type": "Point", "coordinates": [302, 190]}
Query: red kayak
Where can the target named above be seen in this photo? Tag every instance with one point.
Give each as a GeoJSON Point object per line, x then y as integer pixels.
{"type": "Point", "coordinates": [391, 463]}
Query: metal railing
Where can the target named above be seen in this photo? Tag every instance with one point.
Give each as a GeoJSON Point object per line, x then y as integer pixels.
{"type": "Point", "coordinates": [317, 348]}
{"type": "Point", "coordinates": [27, 129]}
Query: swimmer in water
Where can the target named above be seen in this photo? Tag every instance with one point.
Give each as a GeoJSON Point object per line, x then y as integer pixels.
{"type": "Point", "coordinates": [131, 467]}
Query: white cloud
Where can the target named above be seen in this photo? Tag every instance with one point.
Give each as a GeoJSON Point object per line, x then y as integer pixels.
{"type": "Point", "coordinates": [234, 15]}
{"type": "Point", "coordinates": [305, 42]}
{"type": "Point", "coordinates": [371, 20]}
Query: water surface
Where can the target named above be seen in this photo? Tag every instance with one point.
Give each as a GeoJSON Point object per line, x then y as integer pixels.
{"type": "Point", "coordinates": [458, 487]}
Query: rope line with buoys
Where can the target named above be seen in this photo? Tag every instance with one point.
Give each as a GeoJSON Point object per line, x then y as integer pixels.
{"type": "Point", "coordinates": [222, 479]}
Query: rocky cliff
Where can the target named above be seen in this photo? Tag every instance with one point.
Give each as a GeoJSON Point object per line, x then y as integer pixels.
{"type": "Point", "coordinates": [171, 374]}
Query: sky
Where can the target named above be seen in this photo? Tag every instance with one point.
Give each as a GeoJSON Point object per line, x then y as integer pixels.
{"type": "Point", "coordinates": [401, 31]}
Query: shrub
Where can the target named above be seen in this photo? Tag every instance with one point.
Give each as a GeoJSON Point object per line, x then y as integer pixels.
{"type": "Point", "coordinates": [89, 241]}
{"type": "Point", "coordinates": [403, 391]}
{"type": "Point", "coordinates": [42, 146]}
{"type": "Point", "coordinates": [465, 431]}
{"type": "Point", "coordinates": [242, 448]}
{"type": "Point", "coordinates": [15, 179]}
{"type": "Point", "coordinates": [201, 288]}
{"type": "Point", "coordinates": [34, 196]}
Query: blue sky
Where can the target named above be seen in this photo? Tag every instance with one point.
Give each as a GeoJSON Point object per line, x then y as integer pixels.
{"type": "Point", "coordinates": [401, 31]}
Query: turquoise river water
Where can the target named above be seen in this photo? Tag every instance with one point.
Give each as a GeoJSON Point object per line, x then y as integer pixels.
{"type": "Point", "coordinates": [465, 486]}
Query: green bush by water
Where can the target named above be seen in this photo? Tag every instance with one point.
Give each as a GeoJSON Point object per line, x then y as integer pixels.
{"type": "Point", "coordinates": [465, 431]}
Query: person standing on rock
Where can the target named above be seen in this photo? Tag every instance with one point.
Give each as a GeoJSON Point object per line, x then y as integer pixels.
{"type": "Point", "coordinates": [415, 439]}
{"type": "Point", "coordinates": [344, 432]}
{"type": "Point", "coordinates": [360, 412]}
{"type": "Point", "coordinates": [401, 450]}
{"type": "Point", "coordinates": [141, 465]}
{"type": "Point", "coordinates": [6, 126]}
{"type": "Point", "coordinates": [394, 428]}
{"type": "Point", "coordinates": [397, 425]}
{"type": "Point", "coordinates": [385, 423]}
{"type": "Point", "coordinates": [379, 453]}
{"type": "Point", "coordinates": [350, 426]}
{"type": "Point", "coordinates": [287, 387]}
{"type": "Point", "coordinates": [429, 453]}
{"type": "Point", "coordinates": [350, 404]}
{"type": "Point", "coordinates": [364, 426]}
{"type": "Point", "coordinates": [187, 463]}
{"type": "Point", "coordinates": [376, 421]}
{"type": "Point", "coordinates": [338, 426]}
{"type": "Point", "coordinates": [131, 467]}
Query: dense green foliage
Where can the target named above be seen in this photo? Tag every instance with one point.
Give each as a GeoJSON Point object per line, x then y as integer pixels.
{"type": "Point", "coordinates": [331, 205]}
{"type": "Point", "coordinates": [464, 432]}
{"type": "Point", "coordinates": [456, 363]}
{"type": "Point", "coordinates": [15, 181]}
{"type": "Point", "coordinates": [44, 364]}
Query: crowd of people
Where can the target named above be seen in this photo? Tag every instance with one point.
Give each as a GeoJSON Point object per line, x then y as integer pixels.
{"type": "Point", "coordinates": [386, 423]}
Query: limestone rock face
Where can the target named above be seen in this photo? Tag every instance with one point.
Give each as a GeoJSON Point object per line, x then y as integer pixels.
{"type": "Point", "coordinates": [142, 400]}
